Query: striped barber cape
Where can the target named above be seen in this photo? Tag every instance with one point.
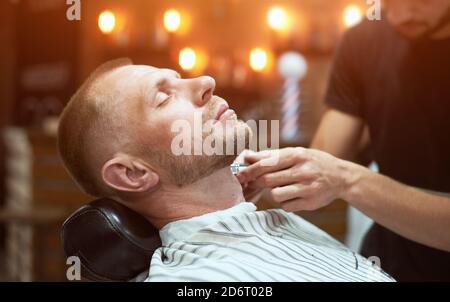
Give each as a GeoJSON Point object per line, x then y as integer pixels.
{"type": "Point", "coordinates": [242, 244]}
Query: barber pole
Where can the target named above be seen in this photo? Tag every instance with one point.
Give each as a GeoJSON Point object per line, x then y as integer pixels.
{"type": "Point", "coordinates": [292, 67]}
{"type": "Point", "coordinates": [290, 108]}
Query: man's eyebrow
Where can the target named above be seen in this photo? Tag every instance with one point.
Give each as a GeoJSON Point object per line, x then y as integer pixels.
{"type": "Point", "coordinates": [159, 81]}
{"type": "Point", "coordinates": [148, 91]}
{"type": "Point", "coordinates": [173, 72]}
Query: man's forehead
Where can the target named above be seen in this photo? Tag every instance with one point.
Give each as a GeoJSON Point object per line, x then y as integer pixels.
{"type": "Point", "coordinates": [146, 70]}
{"type": "Point", "coordinates": [125, 76]}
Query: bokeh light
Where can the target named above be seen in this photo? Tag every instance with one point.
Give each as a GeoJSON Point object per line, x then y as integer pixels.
{"type": "Point", "coordinates": [258, 59]}
{"type": "Point", "coordinates": [352, 15]}
{"type": "Point", "coordinates": [172, 20]}
{"type": "Point", "coordinates": [107, 22]}
{"type": "Point", "coordinates": [276, 18]}
{"type": "Point", "coordinates": [187, 58]}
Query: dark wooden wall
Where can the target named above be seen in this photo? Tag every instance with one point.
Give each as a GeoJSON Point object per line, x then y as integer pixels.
{"type": "Point", "coordinates": [7, 63]}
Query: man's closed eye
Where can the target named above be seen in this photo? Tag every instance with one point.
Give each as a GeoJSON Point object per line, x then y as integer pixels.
{"type": "Point", "coordinates": [162, 99]}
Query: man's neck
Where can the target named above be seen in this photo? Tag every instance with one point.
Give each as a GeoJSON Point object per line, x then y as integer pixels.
{"type": "Point", "coordinates": [218, 191]}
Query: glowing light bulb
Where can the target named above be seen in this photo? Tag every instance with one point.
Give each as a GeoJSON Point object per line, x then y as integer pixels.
{"type": "Point", "coordinates": [187, 59]}
{"type": "Point", "coordinates": [258, 59]}
{"type": "Point", "coordinates": [352, 15]}
{"type": "Point", "coordinates": [172, 20]}
{"type": "Point", "coordinates": [107, 22]}
{"type": "Point", "coordinates": [276, 18]}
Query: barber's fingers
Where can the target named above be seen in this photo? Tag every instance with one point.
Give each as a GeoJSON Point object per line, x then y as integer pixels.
{"type": "Point", "coordinates": [260, 168]}
{"type": "Point", "coordinates": [271, 161]}
{"type": "Point", "coordinates": [252, 194]}
{"type": "Point", "coordinates": [252, 157]}
{"type": "Point", "coordinates": [291, 192]}
{"type": "Point", "coordinates": [283, 178]}
{"type": "Point", "coordinates": [242, 157]}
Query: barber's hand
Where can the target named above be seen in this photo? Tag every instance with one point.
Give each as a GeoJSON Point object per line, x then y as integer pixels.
{"type": "Point", "coordinates": [252, 193]}
{"type": "Point", "coordinates": [299, 179]}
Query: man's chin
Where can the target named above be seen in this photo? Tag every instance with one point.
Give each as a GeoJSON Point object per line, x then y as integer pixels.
{"type": "Point", "coordinates": [234, 134]}
{"type": "Point", "coordinates": [230, 125]}
{"type": "Point", "coordinates": [245, 131]}
{"type": "Point", "coordinates": [187, 169]}
{"type": "Point", "coordinates": [243, 135]}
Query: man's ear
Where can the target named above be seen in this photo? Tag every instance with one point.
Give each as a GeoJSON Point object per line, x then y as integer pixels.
{"type": "Point", "coordinates": [124, 174]}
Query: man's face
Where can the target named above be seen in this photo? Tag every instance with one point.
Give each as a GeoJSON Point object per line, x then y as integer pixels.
{"type": "Point", "coordinates": [154, 100]}
{"type": "Point", "coordinates": [418, 18]}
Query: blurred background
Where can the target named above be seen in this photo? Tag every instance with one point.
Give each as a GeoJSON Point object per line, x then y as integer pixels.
{"type": "Point", "coordinates": [45, 56]}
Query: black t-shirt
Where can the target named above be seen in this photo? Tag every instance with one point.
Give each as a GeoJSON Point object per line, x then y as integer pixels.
{"type": "Point", "coordinates": [401, 89]}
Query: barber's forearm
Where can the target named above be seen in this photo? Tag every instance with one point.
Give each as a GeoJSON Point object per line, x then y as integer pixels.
{"type": "Point", "coordinates": [414, 214]}
{"type": "Point", "coordinates": [345, 143]}
{"type": "Point", "coordinates": [322, 141]}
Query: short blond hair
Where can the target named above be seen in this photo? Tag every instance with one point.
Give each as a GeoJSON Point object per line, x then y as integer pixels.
{"type": "Point", "coordinates": [83, 122]}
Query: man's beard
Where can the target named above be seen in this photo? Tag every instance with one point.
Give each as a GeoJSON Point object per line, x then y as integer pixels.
{"type": "Point", "coordinates": [183, 170]}
{"type": "Point", "coordinates": [444, 21]}
{"type": "Point", "coordinates": [425, 36]}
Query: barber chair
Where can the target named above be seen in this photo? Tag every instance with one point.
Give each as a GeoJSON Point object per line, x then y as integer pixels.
{"type": "Point", "coordinates": [112, 242]}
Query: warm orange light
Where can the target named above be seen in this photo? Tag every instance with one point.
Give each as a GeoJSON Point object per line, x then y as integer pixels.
{"type": "Point", "coordinates": [258, 59]}
{"type": "Point", "coordinates": [187, 59]}
{"type": "Point", "coordinates": [352, 15]}
{"type": "Point", "coordinates": [107, 22]}
{"type": "Point", "coordinates": [276, 18]}
{"type": "Point", "coordinates": [172, 20]}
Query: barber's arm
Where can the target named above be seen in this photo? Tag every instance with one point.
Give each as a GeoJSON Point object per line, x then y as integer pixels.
{"type": "Point", "coordinates": [306, 179]}
{"type": "Point", "coordinates": [344, 144]}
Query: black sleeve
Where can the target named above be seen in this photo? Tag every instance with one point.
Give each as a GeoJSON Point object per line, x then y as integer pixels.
{"type": "Point", "coordinates": [344, 91]}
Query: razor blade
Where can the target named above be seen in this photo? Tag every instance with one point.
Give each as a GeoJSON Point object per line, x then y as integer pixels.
{"type": "Point", "coordinates": [236, 167]}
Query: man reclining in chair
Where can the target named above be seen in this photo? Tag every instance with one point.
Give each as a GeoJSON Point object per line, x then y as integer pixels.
{"type": "Point", "coordinates": [115, 138]}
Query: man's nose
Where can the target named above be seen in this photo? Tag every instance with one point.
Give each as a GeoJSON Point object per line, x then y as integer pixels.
{"type": "Point", "coordinates": [203, 89]}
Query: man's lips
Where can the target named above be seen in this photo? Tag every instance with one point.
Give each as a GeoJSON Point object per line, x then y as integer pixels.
{"type": "Point", "coordinates": [226, 115]}
{"type": "Point", "coordinates": [223, 110]}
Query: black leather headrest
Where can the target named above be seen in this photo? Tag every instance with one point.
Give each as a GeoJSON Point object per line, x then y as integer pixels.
{"type": "Point", "coordinates": [113, 242]}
